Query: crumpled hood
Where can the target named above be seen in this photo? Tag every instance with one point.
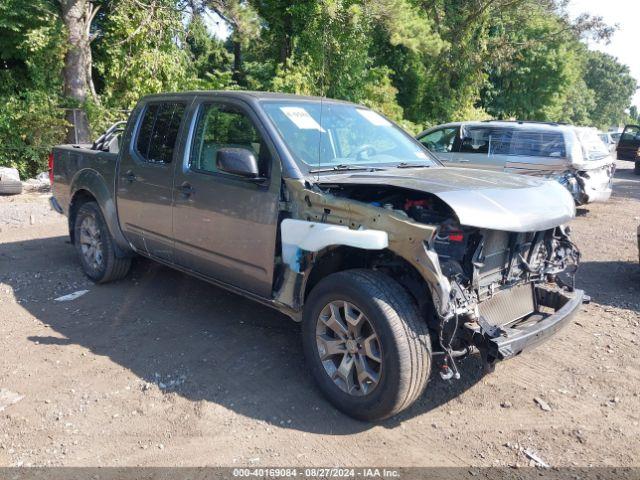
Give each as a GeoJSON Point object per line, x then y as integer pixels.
{"type": "Point", "coordinates": [480, 198]}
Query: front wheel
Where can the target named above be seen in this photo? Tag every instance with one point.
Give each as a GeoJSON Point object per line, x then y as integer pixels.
{"type": "Point", "coordinates": [636, 168]}
{"type": "Point", "coordinates": [95, 246]}
{"type": "Point", "coordinates": [366, 345]}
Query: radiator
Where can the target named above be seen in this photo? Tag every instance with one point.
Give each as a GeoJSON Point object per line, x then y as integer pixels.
{"type": "Point", "coordinates": [508, 305]}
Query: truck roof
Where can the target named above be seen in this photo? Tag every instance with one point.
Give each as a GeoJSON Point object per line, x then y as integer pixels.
{"type": "Point", "coordinates": [242, 94]}
{"type": "Point", "coordinates": [511, 124]}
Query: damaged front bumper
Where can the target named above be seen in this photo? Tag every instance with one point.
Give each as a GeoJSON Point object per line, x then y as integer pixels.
{"type": "Point", "coordinates": [596, 185]}
{"type": "Point", "coordinates": [589, 185]}
{"type": "Point", "coordinates": [553, 310]}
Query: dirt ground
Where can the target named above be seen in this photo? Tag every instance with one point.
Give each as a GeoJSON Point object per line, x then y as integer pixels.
{"type": "Point", "coordinates": [163, 369]}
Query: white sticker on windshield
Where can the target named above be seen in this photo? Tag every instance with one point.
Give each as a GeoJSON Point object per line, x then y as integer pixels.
{"type": "Point", "coordinates": [374, 118]}
{"type": "Point", "coordinates": [301, 118]}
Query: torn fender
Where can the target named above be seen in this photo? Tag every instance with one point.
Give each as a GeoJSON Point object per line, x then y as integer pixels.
{"type": "Point", "coordinates": [299, 236]}
{"type": "Point", "coordinates": [406, 238]}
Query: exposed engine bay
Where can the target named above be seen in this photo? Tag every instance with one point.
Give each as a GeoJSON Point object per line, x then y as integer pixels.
{"type": "Point", "coordinates": [493, 280]}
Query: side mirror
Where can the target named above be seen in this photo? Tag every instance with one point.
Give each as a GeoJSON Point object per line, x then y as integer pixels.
{"type": "Point", "coordinates": [238, 161]}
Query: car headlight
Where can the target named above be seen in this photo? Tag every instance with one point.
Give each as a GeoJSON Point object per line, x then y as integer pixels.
{"type": "Point", "coordinates": [568, 180]}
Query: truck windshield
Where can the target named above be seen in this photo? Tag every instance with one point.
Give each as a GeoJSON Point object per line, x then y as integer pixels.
{"type": "Point", "coordinates": [326, 134]}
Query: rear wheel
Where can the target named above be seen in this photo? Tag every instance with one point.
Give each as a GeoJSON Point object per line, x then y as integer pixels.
{"type": "Point", "coordinates": [636, 169]}
{"type": "Point", "coordinates": [366, 344]}
{"type": "Point", "coordinates": [95, 246]}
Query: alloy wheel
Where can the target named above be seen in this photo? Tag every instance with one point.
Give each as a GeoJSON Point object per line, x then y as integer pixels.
{"type": "Point", "coordinates": [91, 242]}
{"type": "Point", "coordinates": [349, 348]}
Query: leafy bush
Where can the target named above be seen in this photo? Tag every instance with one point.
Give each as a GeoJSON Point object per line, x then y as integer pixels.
{"type": "Point", "coordinates": [29, 125]}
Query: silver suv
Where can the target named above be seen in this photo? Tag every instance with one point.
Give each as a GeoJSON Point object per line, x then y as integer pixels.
{"type": "Point", "coordinates": [575, 156]}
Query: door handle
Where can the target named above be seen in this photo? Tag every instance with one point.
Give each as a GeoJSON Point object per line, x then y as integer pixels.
{"type": "Point", "coordinates": [462, 160]}
{"type": "Point", "coordinates": [186, 189]}
{"type": "Point", "coordinates": [130, 176]}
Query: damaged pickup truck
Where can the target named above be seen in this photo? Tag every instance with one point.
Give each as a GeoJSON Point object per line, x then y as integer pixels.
{"type": "Point", "coordinates": [330, 213]}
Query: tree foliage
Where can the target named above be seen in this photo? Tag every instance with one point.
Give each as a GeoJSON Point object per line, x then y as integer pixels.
{"type": "Point", "coordinates": [419, 62]}
{"type": "Point", "coordinates": [612, 86]}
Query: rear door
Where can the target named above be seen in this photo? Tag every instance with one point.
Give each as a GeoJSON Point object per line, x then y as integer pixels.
{"type": "Point", "coordinates": [145, 177]}
{"type": "Point", "coordinates": [539, 151]}
{"type": "Point", "coordinates": [443, 143]}
{"type": "Point", "coordinates": [483, 147]}
{"type": "Point", "coordinates": [225, 225]}
{"type": "Point", "coordinates": [629, 143]}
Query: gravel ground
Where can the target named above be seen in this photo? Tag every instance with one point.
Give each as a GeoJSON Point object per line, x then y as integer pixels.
{"type": "Point", "coordinates": [163, 369]}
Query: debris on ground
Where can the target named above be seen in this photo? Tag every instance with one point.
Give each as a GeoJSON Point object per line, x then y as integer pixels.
{"type": "Point", "coordinates": [40, 183]}
{"type": "Point", "coordinates": [542, 404]}
{"type": "Point", "coordinates": [71, 296]}
{"type": "Point", "coordinates": [535, 458]}
{"type": "Point", "coordinates": [8, 398]}
{"type": "Point", "coordinates": [8, 172]}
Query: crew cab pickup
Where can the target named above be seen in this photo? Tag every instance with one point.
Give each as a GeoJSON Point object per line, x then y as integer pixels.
{"type": "Point", "coordinates": [333, 215]}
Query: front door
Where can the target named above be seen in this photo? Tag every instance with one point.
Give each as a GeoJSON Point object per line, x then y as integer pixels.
{"type": "Point", "coordinates": [483, 147]}
{"type": "Point", "coordinates": [145, 178]}
{"type": "Point", "coordinates": [225, 225]}
{"type": "Point", "coordinates": [629, 143]}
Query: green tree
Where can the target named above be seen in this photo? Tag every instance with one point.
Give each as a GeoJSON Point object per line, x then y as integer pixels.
{"type": "Point", "coordinates": [243, 21]}
{"type": "Point", "coordinates": [543, 68]}
{"type": "Point", "coordinates": [141, 51]}
{"type": "Point", "coordinates": [31, 59]}
{"type": "Point", "coordinates": [613, 88]}
{"type": "Point", "coordinates": [209, 57]}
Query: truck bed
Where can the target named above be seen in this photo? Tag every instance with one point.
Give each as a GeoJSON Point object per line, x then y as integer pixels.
{"type": "Point", "coordinates": [70, 161]}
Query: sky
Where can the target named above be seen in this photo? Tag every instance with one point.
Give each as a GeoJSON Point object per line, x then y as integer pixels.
{"type": "Point", "coordinates": [626, 40]}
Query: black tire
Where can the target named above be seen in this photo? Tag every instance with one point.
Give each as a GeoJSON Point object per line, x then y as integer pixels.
{"type": "Point", "coordinates": [111, 268]}
{"type": "Point", "coordinates": [636, 168]}
{"type": "Point", "coordinates": [9, 186]}
{"type": "Point", "coordinates": [404, 342]}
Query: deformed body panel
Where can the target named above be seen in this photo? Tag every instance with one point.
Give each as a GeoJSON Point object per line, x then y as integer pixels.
{"type": "Point", "coordinates": [480, 198]}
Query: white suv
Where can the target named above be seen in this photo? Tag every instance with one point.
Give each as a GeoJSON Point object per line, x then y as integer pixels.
{"type": "Point", "coordinates": [575, 156]}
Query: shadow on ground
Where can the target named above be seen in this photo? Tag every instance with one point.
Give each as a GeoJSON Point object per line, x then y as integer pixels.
{"type": "Point", "coordinates": [164, 325]}
{"type": "Point", "coordinates": [613, 283]}
{"type": "Point", "coordinates": [626, 184]}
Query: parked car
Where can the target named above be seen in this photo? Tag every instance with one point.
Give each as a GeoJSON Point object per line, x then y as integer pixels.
{"type": "Point", "coordinates": [608, 141]}
{"type": "Point", "coordinates": [333, 215]}
{"type": "Point", "coordinates": [574, 156]}
{"type": "Point", "coordinates": [629, 146]}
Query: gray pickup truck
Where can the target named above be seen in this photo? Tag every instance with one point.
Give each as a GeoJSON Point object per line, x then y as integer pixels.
{"type": "Point", "coordinates": [333, 215]}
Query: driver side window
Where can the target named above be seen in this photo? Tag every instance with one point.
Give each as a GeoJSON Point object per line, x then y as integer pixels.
{"type": "Point", "coordinates": [225, 126]}
{"type": "Point", "coordinates": [440, 141]}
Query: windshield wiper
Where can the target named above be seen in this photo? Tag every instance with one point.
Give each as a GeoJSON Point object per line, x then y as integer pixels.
{"type": "Point", "coordinates": [344, 168]}
{"type": "Point", "coordinates": [412, 165]}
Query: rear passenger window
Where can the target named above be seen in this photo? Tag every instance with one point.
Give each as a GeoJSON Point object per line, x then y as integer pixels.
{"type": "Point", "coordinates": [538, 144]}
{"type": "Point", "coordinates": [506, 141]}
{"type": "Point", "coordinates": [159, 131]}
